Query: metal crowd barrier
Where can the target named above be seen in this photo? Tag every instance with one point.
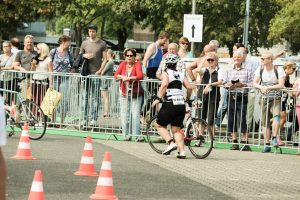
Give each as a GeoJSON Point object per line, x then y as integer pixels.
{"type": "Point", "coordinates": [94, 103]}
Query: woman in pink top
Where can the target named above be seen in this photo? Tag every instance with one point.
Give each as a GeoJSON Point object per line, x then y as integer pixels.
{"type": "Point", "coordinates": [129, 73]}
{"type": "Point", "coordinates": [296, 88]}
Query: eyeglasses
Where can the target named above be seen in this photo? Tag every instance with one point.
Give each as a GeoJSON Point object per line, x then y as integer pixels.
{"type": "Point", "coordinates": [129, 55]}
{"type": "Point", "coordinates": [6, 46]}
{"type": "Point", "coordinates": [185, 43]}
{"type": "Point", "coordinates": [210, 60]}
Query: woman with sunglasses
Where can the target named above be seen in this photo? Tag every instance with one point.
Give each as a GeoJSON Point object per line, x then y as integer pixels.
{"type": "Point", "coordinates": [208, 92]}
{"type": "Point", "coordinates": [129, 73]}
{"type": "Point", "coordinates": [183, 48]}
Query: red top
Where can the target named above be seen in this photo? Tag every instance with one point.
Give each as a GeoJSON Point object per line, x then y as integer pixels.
{"type": "Point", "coordinates": [136, 71]}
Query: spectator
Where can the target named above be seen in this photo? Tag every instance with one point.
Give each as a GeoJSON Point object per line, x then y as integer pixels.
{"type": "Point", "coordinates": [2, 143]}
{"type": "Point", "coordinates": [93, 49]}
{"type": "Point", "coordinates": [107, 71]}
{"type": "Point", "coordinates": [173, 108]}
{"type": "Point", "coordinates": [15, 44]}
{"type": "Point", "coordinates": [289, 69]}
{"type": "Point", "coordinates": [237, 78]}
{"type": "Point", "coordinates": [251, 65]}
{"type": "Point", "coordinates": [42, 64]}
{"type": "Point", "coordinates": [6, 63]}
{"type": "Point", "coordinates": [24, 57]}
{"type": "Point", "coordinates": [208, 92]}
{"type": "Point", "coordinates": [129, 73]}
{"type": "Point", "coordinates": [62, 60]}
{"type": "Point", "coordinates": [22, 63]}
{"type": "Point", "coordinates": [183, 49]}
{"type": "Point", "coordinates": [224, 107]}
{"type": "Point", "coordinates": [180, 66]}
{"type": "Point", "coordinates": [153, 55]}
{"type": "Point", "coordinates": [269, 79]}
{"type": "Point", "coordinates": [214, 44]}
{"type": "Point", "coordinates": [296, 93]}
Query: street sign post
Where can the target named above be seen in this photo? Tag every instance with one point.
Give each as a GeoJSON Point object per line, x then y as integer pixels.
{"type": "Point", "coordinates": [193, 27]}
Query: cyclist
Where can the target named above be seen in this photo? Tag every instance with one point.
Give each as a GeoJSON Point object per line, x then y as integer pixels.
{"type": "Point", "coordinates": [173, 107]}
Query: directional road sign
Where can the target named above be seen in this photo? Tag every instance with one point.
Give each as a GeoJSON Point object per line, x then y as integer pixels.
{"type": "Point", "coordinates": [192, 27]}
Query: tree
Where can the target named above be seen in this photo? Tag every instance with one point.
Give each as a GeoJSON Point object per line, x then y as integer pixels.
{"type": "Point", "coordinates": [286, 24]}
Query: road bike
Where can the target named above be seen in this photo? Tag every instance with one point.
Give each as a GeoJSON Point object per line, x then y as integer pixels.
{"type": "Point", "coordinates": [28, 111]}
{"type": "Point", "coordinates": [198, 136]}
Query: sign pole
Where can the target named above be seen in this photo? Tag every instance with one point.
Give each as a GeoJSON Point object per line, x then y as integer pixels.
{"type": "Point", "coordinates": [193, 12]}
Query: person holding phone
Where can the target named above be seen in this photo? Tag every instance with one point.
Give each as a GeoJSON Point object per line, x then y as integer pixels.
{"type": "Point", "coordinates": [236, 79]}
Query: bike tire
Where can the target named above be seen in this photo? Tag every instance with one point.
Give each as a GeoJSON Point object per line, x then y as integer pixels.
{"type": "Point", "coordinates": [31, 113]}
{"type": "Point", "coordinates": [156, 142]}
{"type": "Point", "coordinates": [199, 146]}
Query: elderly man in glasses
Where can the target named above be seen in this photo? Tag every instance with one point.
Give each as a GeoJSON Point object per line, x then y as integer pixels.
{"type": "Point", "coordinates": [237, 78]}
{"type": "Point", "coordinates": [269, 79]}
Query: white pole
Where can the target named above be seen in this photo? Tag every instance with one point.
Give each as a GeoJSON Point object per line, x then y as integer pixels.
{"type": "Point", "coordinates": [246, 24]}
{"type": "Point", "coordinates": [193, 12]}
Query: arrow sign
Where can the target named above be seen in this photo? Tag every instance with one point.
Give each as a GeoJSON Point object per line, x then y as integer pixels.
{"type": "Point", "coordinates": [193, 31]}
{"type": "Point", "coordinates": [193, 27]}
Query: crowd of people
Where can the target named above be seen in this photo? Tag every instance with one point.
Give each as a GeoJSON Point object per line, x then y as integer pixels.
{"type": "Point", "coordinates": [164, 61]}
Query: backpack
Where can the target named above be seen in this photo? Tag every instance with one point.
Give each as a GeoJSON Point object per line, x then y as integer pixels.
{"type": "Point", "coordinates": [262, 70]}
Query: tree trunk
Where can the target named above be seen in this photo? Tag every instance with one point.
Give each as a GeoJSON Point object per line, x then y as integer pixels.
{"type": "Point", "coordinates": [122, 37]}
{"type": "Point", "coordinates": [78, 38]}
{"type": "Point", "coordinates": [102, 27]}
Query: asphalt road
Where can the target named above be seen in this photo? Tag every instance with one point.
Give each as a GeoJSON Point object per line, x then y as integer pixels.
{"type": "Point", "coordinates": [134, 178]}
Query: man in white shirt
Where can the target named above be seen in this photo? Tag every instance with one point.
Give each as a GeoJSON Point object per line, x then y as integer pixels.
{"type": "Point", "coordinates": [269, 79]}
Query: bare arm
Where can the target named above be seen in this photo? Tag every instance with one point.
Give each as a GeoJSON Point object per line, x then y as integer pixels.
{"type": "Point", "coordinates": [104, 61]}
{"type": "Point", "coordinates": [188, 87]}
{"type": "Point", "coordinates": [149, 52]}
{"type": "Point", "coordinates": [164, 85]}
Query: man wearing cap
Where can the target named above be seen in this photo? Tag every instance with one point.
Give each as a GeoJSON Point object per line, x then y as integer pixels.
{"type": "Point", "coordinates": [93, 49]}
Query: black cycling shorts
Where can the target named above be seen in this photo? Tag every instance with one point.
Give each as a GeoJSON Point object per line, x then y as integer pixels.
{"type": "Point", "coordinates": [171, 114]}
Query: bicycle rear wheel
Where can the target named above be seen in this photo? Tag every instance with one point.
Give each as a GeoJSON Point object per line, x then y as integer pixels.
{"type": "Point", "coordinates": [156, 142]}
{"type": "Point", "coordinates": [199, 138]}
{"type": "Point", "coordinates": [34, 116]}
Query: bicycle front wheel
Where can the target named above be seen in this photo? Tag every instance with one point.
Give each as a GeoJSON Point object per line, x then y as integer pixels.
{"type": "Point", "coordinates": [34, 116]}
{"type": "Point", "coordinates": [156, 142]}
{"type": "Point", "coordinates": [199, 138]}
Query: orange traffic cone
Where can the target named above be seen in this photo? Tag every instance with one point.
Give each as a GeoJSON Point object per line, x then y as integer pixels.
{"type": "Point", "coordinates": [105, 188]}
{"type": "Point", "coordinates": [37, 190]}
{"type": "Point", "coordinates": [87, 167]}
{"type": "Point", "coordinates": [23, 152]}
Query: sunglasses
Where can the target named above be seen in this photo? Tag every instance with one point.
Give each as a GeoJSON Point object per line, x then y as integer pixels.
{"type": "Point", "coordinates": [185, 43]}
{"type": "Point", "coordinates": [264, 59]}
{"type": "Point", "coordinates": [129, 55]}
{"type": "Point", "coordinates": [210, 60]}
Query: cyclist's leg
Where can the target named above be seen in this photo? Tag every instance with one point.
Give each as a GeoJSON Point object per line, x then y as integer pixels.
{"type": "Point", "coordinates": [178, 138]}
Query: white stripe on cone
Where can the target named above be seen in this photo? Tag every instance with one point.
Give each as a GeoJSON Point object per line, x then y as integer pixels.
{"type": "Point", "coordinates": [37, 186]}
{"type": "Point", "coordinates": [24, 145]}
{"type": "Point", "coordinates": [87, 160]}
{"type": "Point", "coordinates": [88, 146]}
{"type": "Point", "coordinates": [24, 133]}
{"type": "Point", "coordinates": [106, 165]}
{"type": "Point", "coordinates": [105, 181]}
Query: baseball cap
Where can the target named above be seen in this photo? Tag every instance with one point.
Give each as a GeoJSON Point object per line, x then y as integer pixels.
{"type": "Point", "coordinates": [92, 26]}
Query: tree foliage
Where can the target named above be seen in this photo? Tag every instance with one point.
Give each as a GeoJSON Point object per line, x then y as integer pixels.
{"type": "Point", "coordinates": [286, 24]}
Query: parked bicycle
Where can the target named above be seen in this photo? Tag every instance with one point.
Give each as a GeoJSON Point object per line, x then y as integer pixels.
{"type": "Point", "coordinates": [198, 136]}
{"type": "Point", "coordinates": [28, 111]}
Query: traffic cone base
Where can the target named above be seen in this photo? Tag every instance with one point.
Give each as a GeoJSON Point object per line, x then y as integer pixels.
{"type": "Point", "coordinates": [105, 189]}
{"type": "Point", "coordinates": [23, 152]}
{"type": "Point", "coordinates": [87, 167]}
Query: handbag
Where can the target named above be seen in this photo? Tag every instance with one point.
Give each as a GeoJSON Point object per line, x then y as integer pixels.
{"type": "Point", "coordinates": [82, 65]}
{"type": "Point", "coordinates": [50, 101]}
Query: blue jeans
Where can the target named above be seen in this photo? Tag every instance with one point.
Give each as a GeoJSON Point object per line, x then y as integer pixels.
{"type": "Point", "coordinates": [222, 112]}
{"type": "Point", "coordinates": [130, 108]}
{"type": "Point", "coordinates": [91, 98]}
